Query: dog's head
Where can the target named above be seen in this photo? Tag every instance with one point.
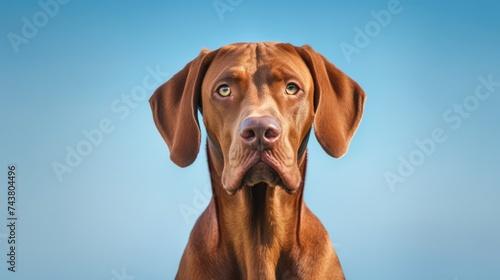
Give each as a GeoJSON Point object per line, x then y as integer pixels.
{"type": "Point", "coordinates": [259, 102]}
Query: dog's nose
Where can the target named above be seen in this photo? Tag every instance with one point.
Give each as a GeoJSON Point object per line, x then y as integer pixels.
{"type": "Point", "coordinates": [260, 132]}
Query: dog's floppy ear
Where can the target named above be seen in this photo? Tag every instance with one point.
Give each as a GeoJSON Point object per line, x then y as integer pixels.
{"type": "Point", "coordinates": [338, 103]}
{"type": "Point", "coordinates": [175, 104]}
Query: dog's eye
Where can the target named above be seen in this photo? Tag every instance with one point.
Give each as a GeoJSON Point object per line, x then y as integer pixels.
{"type": "Point", "coordinates": [224, 91]}
{"type": "Point", "coordinates": [291, 89]}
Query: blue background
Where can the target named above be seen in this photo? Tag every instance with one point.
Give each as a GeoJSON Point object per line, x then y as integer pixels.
{"type": "Point", "coordinates": [118, 214]}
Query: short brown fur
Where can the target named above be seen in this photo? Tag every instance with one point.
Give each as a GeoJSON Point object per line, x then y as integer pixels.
{"type": "Point", "coordinates": [257, 225]}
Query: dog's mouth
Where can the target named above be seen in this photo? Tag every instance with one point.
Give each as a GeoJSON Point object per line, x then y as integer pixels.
{"type": "Point", "coordinates": [261, 173]}
{"type": "Point", "coordinates": [263, 170]}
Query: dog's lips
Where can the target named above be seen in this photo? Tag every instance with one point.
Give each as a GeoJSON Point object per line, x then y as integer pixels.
{"type": "Point", "coordinates": [290, 178]}
{"type": "Point", "coordinates": [262, 169]}
{"type": "Point", "coordinates": [261, 173]}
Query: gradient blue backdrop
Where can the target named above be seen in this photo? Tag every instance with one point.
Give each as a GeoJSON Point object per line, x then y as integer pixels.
{"type": "Point", "coordinates": [118, 213]}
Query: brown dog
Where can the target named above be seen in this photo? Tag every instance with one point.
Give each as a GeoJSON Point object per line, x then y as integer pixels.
{"type": "Point", "coordinates": [259, 102]}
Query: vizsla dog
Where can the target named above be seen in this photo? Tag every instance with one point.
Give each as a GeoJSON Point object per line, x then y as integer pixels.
{"type": "Point", "coordinates": [259, 102]}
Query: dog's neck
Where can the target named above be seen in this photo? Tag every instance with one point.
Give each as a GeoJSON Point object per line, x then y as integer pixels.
{"type": "Point", "coordinates": [259, 223]}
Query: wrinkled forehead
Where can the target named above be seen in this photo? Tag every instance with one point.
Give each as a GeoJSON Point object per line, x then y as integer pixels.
{"type": "Point", "coordinates": [270, 61]}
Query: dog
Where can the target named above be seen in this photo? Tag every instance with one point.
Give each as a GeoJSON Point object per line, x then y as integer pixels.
{"type": "Point", "coordinates": [259, 102]}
